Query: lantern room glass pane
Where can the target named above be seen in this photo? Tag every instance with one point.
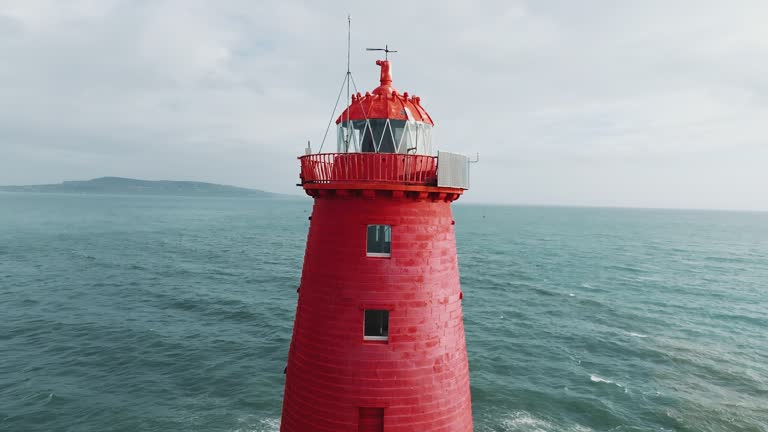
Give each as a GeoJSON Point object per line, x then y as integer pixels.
{"type": "Point", "coordinates": [413, 137]}
{"type": "Point", "coordinates": [397, 127]}
{"type": "Point", "coordinates": [426, 141]}
{"type": "Point", "coordinates": [374, 136]}
{"type": "Point", "coordinates": [381, 140]}
{"type": "Point", "coordinates": [349, 139]}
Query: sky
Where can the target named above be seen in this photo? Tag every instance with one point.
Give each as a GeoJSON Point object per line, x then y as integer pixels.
{"type": "Point", "coordinates": [595, 103]}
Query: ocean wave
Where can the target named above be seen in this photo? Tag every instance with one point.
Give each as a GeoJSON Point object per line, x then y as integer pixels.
{"type": "Point", "coordinates": [597, 379]}
{"type": "Point", "coordinates": [637, 335]}
{"type": "Point", "coordinates": [249, 424]}
{"type": "Point", "coordinates": [517, 421]}
{"type": "Point", "coordinates": [521, 420]}
{"type": "Point", "coordinates": [83, 255]}
{"type": "Point", "coordinates": [525, 421]}
{"type": "Point", "coordinates": [544, 292]}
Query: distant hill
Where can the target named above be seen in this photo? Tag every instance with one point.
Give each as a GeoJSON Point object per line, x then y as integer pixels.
{"type": "Point", "coordinates": [119, 185]}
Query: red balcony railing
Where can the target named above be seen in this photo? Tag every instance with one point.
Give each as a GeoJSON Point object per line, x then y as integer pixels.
{"type": "Point", "coordinates": [369, 167]}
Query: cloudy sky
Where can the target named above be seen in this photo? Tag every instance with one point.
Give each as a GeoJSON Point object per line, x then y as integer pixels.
{"type": "Point", "coordinates": [619, 103]}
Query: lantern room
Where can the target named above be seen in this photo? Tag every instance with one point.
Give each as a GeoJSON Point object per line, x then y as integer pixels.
{"type": "Point", "coordinates": [385, 121]}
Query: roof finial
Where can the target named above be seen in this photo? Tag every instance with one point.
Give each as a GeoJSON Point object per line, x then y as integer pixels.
{"type": "Point", "coordinates": [386, 72]}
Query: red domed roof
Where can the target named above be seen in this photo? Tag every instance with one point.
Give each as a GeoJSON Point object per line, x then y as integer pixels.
{"type": "Point", "coordinates": [385, 102]}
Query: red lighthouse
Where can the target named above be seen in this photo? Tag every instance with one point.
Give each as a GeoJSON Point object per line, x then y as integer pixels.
{"type": "Point", "coordinates": [378, 340]}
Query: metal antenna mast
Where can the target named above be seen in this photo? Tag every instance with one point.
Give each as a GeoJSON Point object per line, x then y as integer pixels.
{"type": "Point", "coordinates": [348, 135]}
{"type": "Point", "coordinates": [385, 49]}
{"type": "Point", "coordinates": [347, 81]}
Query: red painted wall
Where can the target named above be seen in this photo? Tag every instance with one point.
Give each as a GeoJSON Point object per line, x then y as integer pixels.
{"type": "Point", "coordinates": [420, 377]}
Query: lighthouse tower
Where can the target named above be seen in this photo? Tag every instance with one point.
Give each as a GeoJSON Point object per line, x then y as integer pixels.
{"type": "Point", "coordinates": [378, 340]}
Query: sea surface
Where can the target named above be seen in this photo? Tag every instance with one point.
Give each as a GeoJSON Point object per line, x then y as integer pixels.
{"type": "Point", "coordinates": [138, 313]}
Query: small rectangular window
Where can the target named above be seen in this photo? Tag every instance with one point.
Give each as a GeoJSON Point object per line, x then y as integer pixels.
{"type": "Point", "coordinates": [371, 420]}
{"type": "Point", "coordinates": [376, 325]}
{"type": "Point", "coordinates": [379, 240]}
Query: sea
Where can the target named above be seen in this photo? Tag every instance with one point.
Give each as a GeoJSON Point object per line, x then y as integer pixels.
{"type": "Point", "coordinates": [157, 313]}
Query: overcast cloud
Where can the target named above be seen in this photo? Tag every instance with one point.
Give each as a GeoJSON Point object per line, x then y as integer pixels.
{"type": "Point", "coordinates": [621, 103]}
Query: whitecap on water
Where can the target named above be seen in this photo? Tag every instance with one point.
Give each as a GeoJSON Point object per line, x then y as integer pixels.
{"type": "Point", "coordinates": [637, 335]}
{"type": "Point", "coordinates": [597, 379]}
{"type": "Point", "coordinates": [525, 421]}
{"type": "Point", "coordinates": [250, 424]}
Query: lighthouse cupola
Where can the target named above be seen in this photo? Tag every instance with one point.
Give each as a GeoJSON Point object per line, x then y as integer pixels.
{"type": "Point", "coordinates": [385, 121]}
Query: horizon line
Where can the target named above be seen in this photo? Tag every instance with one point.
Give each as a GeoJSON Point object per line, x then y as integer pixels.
{"type": "Point", "coordinates": [459, 202]}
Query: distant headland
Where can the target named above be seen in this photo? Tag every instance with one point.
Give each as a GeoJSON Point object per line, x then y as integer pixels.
{"type": "Point", "coordinates": [119, 185]}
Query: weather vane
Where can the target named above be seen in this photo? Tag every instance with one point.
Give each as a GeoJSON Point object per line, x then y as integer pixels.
{"type": "Point", "coordinates": [385, 49]}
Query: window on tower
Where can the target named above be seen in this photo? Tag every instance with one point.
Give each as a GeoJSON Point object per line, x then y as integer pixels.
{"type": "Point", "coordinates": [376, 325]}
{"type": "Point", "coordinates": [370, 420]}
{"type": "Point", "coordinates": [379, 242]}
